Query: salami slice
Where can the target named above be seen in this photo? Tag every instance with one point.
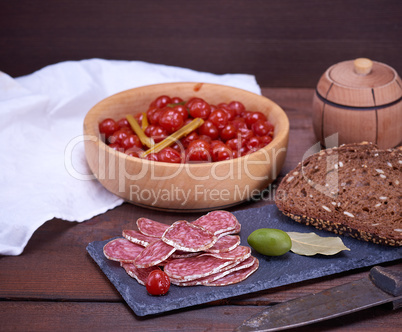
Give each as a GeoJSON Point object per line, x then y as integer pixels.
{"type": "Point", "coordinates": [154, 254]}
{"type": "Point", "coordinates": [140, 275]}
{"type": "Point", "coordinates": [208, 279]}
{"type": "Point", "coordinates": [225, 244]}
{"type": "Point", "coordinates": [185, 254]}
{"type": "Point", "coordinates": [239, 253]}
{"type": "Point", "coordinates": [235, 277]}
{"type": "Point", "coordinates": [122, 250]}
{"type": "Point", "coordinates": [186, 269]}
{"type": "Point", "coordinates": [188, 237]}
{"type": "Point", "coordinates": [139, 238]}
{"type": "Point", "coordinates": [151, 228]}
{"type": "Point", "coordinates": [219, 222]}
{"type": "Point", "coordinates": [231, 231]}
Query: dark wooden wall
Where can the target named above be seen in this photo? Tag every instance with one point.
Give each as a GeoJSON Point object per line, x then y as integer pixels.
{"type": "Point", "coordinates": [284, 43]}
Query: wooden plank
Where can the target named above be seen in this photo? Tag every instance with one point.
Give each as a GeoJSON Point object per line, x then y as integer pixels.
{"type": "Point", "coordinates": [282, 43]}
{"type": "Point", "coordinates": [98, 316]}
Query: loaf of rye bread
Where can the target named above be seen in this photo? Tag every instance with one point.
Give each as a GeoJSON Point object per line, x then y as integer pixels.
{"type": "Point", "coordinates": [354, 189]}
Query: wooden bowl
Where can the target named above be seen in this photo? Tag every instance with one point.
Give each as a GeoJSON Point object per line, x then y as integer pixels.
{"type": "Point", "coordinates": [359, 100]}
{"type": "Point", "coordinates": [184, 187]}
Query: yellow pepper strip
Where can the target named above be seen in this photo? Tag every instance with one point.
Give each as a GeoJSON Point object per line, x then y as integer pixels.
{"type": "Point", "coordinates": [173, 138]}
{"type": "Point", "coordinates": [144, 122]}
{"type": "Point", "coordinates": [147, 141]}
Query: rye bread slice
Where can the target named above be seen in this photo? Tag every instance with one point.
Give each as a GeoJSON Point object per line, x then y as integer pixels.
{"type": "Point", "coordinates": [354, 189]}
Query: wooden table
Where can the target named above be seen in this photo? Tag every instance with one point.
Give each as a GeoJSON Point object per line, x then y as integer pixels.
{"type": "Point", "coordinates": [55, 285]}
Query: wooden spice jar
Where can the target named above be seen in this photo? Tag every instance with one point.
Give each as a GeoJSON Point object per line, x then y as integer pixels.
{"type": "Point", "coordinates": [360, 100]}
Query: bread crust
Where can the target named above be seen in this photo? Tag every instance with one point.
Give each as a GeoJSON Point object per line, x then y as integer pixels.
{"type": "Point", "coordinates": [354, 189]}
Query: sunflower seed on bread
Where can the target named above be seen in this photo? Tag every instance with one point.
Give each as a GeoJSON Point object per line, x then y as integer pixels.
{"type": "Point", "coordinates": [354, 189]}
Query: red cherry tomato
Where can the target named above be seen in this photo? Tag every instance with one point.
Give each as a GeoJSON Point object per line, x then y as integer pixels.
{"type": "Point", "coordinates": [156, 132]}
{"type": "Point", "coordinates": [153, 115]}
{"type": "Point", "coordinates": [252, 117]}
{"type": "Point", "coordinates": [253, 142]}
{"type": "Point", "coordinates": [200, 109]}
{"type": "Point", "coordinates": [209, 129]}
{"type": "Point", "coordinates": [176, 100]}
{"type": "Point", "coordinates": [221, 152]}
{"type": "Point", "coordinates": [237, 106]}
{"type": "Point", "coordinates": [107, 127]}
{"type": "Point", "coordinates": [131, 141]}
{"type": "Point", "coordinates": [161, 101]}
{"type": "Point", "coordinates": [182, 110]}
{"type": "Point", "coordinates": [219, 118]}
{"type": "Point", "coordinates": [152, 157]}
{"type": "Point", "coordinates": [198, 150]}
{"type": "Point", "coordinates": [228, 132]}
{"type": "Point", "coordinates": [185, 141]}
{"type": "Point", "coordinates": [123, 123]}
{"type": "Point", "coordinates": [169, 155]}
{"type": "Point", "coordinates": [119, 135]}
{"type": "Point", "coordinates": [262, 128]}
{"type": "Point", "coordinates": [171, 120]}
{"type": "Point", "coordinates": [158, 283]}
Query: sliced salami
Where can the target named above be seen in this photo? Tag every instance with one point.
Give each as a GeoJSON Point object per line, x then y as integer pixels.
{"type": "Point", "coordinates": [219, 222]}
{"type": "Point", "coordinates": [122, 250]}
{"type": "Point", "coordinates": [235, 277]}
{"type": "Point", "coordinates": [151, 228]}
{"type": "Point", "coordinates": [154, 254]}
{"type": "Point", "coordinates": [139, 238]}
{"type": "Point", "coordinates": [238, 254]}
{"type": "Point", "coordinates": [208, 279]}
{"type": "Point", "coordinates": [185, 254]}
{"type": "Point", "coordinates": [140, 275]}
{"type": "Point", "coordinates": [186, 269]}
{"type": "Point", "coordinates": [188, 237]}
{"type": "Point", "coordinates": [225, 244]}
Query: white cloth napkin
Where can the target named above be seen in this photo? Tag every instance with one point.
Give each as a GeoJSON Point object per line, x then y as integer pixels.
{"type": "Point", "coordinates": [42, 160]}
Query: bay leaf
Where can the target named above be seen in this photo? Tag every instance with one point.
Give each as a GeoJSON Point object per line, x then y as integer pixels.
{"type": "Point", "coordinates": [309, 244]}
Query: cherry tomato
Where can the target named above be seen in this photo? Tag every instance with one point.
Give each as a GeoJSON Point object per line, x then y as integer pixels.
{"type": "Point", "coordinates": [253, 117]}
{"type": "Point", "coordinates": [182, 110]}
{"type": "Point", "coordinates": [153, 115]}
{"type": "Point", "coordinates": [191, 101]}
{"type": "Point", "coordinates": [131, 141]}
{"type": "Point", "coordinates": [123, 123]}
{"type": "Point", "coordinates": [253, 142]}
{"type": "Point", "coordinates": [185, 141]}
{"type": "Point", "coordinates": [171, 120]}
{"type": "Point", "coordinates": [219, 118]}
{"type": "Point", "coordinates": [158, 283]}
{"type": "Point", "coordinates": [262, 128]}
{"type": "Point", "coordinates": [245, 133]}
{"type": "Point", "coordinates": [176, 100]}
{"type": "Point", "coordinates": [221, 152]}
{"type": "Point", "coordinates": [169, 155]}
{"type": "Point", "coordinates": [198, 150]}
{"type": "Point", "coordinates": [228, 132]}
{"type": "Point", "coordinates": [107, 127]}
{"type": "Point", "coordinates": [265, 140]}
{"type": "Point", "coordinates": [152, 157]}
{"type": "Point", "coordinates": [119, 135]}
{"type": "Point", "coordinates": [209, 129]}
{"type": "Point", "coordinates": [161, 101]}
{"type": "Point", "coordinates": [237, 106]}
{"type": "Point", "coordinates": [200, 109]}
{"type": "Point", "coordinates": [156, 132]}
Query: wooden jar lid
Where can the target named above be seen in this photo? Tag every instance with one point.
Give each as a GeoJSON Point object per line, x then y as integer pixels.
{"type": "Point", "coordinates": [360, 83]}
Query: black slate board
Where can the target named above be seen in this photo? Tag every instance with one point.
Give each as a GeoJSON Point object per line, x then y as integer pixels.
{"type": "Point", "coordinates": [273, 271]}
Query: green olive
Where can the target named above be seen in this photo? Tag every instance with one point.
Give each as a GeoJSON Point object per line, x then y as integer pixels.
{"type": "Point", "coordinates": [270, 241]}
